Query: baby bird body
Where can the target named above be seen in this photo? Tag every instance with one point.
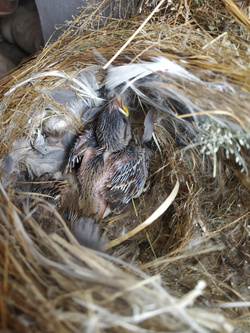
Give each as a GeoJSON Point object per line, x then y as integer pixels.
{"type": "Point", "coordinates": [107, 168]}
{"type": "Point", "coordinates": [113, 167]}
{"type": "Point", "coordinates": [111, 180]}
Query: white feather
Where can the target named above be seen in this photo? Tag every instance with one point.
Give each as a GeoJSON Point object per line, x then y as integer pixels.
{"type": "Point", "coordinates": [56, 124]}
{"type": "Point", "coordinates": [36, 160]}
{"type": "Point", "coordinates": [78, 83]}
{"type": "Point", "coordinates": [131, 73]}
{"type": "Point", "coordinates": [160, 80]}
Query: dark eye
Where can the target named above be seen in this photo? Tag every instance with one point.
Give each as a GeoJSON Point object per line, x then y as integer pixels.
{"type": "Point", "coordinates": [124, 121]}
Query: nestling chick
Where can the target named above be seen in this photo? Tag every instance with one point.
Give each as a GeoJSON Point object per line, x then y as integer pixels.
{"type": "Point", "coordinates": [113, 167]}
{"type": "Point", "coordinates": [110, 132]}
{"type": "Point", "coordinates": [111, 180]}
{"type": "Point", "coordinates": [62, 192]}
{"type": "Point", "coordinates": [110, 167]}
{"type": "Point", "coordinates": [113, 130]}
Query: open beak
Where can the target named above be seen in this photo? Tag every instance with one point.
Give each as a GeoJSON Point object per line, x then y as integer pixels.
{"type": "Point", "coordinates": [119, 103]}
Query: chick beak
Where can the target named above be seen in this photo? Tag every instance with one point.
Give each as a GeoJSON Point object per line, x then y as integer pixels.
{"type": "Point", "coordinates": [119, 103]}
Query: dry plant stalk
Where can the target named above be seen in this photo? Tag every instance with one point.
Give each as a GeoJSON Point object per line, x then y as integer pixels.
{"type": "Point", "coordinates": [237, 13]}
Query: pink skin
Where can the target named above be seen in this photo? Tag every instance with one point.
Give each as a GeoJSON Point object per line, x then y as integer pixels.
{"type": "Point", "coordinates": [102, 203]}
{"type": "Point", "coordinates": [88, 154]}
{"type": "Point", "coordinates": [98, 187]}
{"type": "Point", "coordinates": [98, 203]}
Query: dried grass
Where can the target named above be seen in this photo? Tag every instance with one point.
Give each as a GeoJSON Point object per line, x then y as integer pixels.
{"type": "Point", "coordinates": [154, 281]}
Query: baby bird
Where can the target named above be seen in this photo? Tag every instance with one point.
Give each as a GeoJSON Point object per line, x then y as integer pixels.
{"type": "Point", "coordinates": [112, 166]}
{"type": "Point", "coordinates": [61, 192]}
{"type": "Point", "coordinates": [111, 180]}
{"type": "Point", "coordinates": [110, 132]}
{"type": "Point", "coordinates": [107, 167]}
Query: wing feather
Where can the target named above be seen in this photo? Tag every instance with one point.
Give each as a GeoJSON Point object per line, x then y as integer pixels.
{"type": "Point", "coordinates": [128, 173]}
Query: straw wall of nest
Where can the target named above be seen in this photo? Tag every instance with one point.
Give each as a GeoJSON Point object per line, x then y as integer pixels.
{"type": "Point", "coordinates": [187, 270]}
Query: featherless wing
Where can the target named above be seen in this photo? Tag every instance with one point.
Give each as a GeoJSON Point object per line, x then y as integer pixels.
{"type": "Point", "coordinates": [127, 176]}
{"type": "Point", "coordinates": [83, 147]}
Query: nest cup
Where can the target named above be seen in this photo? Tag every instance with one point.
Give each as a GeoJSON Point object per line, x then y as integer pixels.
{"type": "Point", "coordinates": [185, 271]}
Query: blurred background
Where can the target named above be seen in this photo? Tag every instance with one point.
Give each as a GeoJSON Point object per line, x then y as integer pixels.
{"type": "Point", "coordinates": [26, 25]}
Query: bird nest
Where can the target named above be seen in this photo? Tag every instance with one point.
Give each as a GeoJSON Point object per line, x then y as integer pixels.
{"type": "Point", "coordinates": [176, 259]}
